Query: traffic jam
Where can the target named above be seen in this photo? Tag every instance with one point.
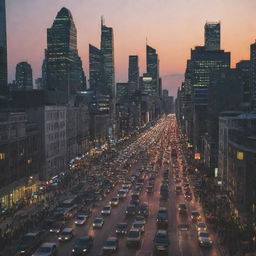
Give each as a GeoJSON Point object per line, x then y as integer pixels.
{"type": "Point", "coordinates": [141, 203]}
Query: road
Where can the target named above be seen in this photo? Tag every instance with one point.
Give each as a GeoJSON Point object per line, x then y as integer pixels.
{"type": "Point", "coordinates": [157, 143]}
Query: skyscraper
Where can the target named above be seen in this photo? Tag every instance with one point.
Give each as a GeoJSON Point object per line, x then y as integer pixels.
{"type": "Point", "coordinates": [96, 69]}
{"type": "Point", "coordinates": [153, 68]}
{"type": "Point", "coordinates": [3, 49]}
{"type": "Point", "coordinates": [133, 72]}
{"type": "Point", "coordinates": [253, 74]}
{"type": "Point", "coordinates": [212, 36]}
{"type": "Point", "coordinates": [107, 48]}
{"type": "Point", "coordinates": [62, 66]}
{"type": "Point", "coordinates": [24, 77]}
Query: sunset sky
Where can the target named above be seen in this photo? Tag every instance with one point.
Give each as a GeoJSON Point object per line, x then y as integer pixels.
{"type": "Point", "coordinates": [173, 27]}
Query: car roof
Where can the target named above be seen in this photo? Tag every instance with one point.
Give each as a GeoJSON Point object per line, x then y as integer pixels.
{"type": "Point", "coordinates": [48, 244]}
{"type": "Point", "coordinates": [112, 238]}
{"type": "Point", "coordinates": [67, 230]}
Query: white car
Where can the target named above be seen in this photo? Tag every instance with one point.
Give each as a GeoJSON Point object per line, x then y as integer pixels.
{"type": "Point", "coordinates": [46, 249]}
{"type": "Point", "coordinates": [133, 237]}
{"type": "Point", "coordinates": [106, 210]}
{"type": "Point", "coordinates": [98, 223]}
{"type": "Point", "coordinates": [204, 239]}
{"type": "Point", "coordinates": [80, 220]}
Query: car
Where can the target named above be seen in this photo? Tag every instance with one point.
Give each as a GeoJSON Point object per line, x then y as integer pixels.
{"type": "Point", "coordinates": [140, 219]}
{"type": "Point", "coordinates": [122, 228]}
{"type": "Point", "coordinates": [66, 234]}
{"type": "Point", "coordinates": [188, 195]}
{"type": "Point", "coordinates": [162, 217]}
{"type": "Point", "coordinates": [201, 226]}
{"type": "Point", "coordinates": [106, 210]}
{"type": "Point", "coordinates": [130, 210]}
{"type": "Point", "coordinates": [150, 189]}
{"type": "Point", "coordinates": [56, 227]}
{"type": "Point", "coordinates": [182, 208]}
{"type": "Point", "coordinates": [178, 190]}
{"type": "Point", "coordinates": [195, 216]}
{"type": "Point", "coordinates": [143, 209]}
{"type": "Point", "coordinates": [122, 193]}
{"type": "Point", "coordinates": [138, 225]}
{"type": "Point", "coordinates": [183, 227]}
{"type": "Point", "coordinates": [98, 223]}
{"type": "Point", "coordinates": [82, 245]}
{"type": "Point", "coordinates": [133, 237]}
{"type": "Point", "coordinates": [29, 243]}
{"type": "Point", "coordinates": [161, 241]}
{"type": "Point", "coordinates": [114, 201]}
{"type": "Point", "coordinates": [46, 249]}
{"type": "Point", "coordinates": [204, 239]}
{"type": "Point", "coordinates": [110, 245]}
{"type": "Point", "coordinates": [80, 220]}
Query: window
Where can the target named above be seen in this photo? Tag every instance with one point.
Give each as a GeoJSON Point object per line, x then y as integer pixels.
{"type": "Point", "coordinates": [240, 155]}
{"type": "Point", "coordinates": [2, 156]}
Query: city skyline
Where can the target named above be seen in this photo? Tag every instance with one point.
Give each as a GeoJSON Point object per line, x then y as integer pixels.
{"type": "Point", "coordinates": [87, 19]}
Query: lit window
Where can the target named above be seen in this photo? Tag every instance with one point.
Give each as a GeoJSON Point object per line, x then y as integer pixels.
{"type": "Point", "coordinates": [2, 156]}
{"type": "Point", "coordinates": [240, 155]}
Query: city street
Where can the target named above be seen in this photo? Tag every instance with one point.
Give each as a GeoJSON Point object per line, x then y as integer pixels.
{"type": "Point", "coordinates": [159, 138]}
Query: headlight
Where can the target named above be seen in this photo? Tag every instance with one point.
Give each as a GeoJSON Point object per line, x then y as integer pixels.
{"type": "Point", "coordinates": [76, 222]}
{"type": "Point", "coordinates": [50, 230]}
{"type": "Point", "coordinates": [84, 250]}
{"type": "Point", "coordinates": [73, 250]}
{"type": "Point", "coordinates": [59, 238]}
{"type": "Point", "coordinates": [66, 238]}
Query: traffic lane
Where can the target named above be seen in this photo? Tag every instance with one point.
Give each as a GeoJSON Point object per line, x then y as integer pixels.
{"type": "Point", "coordinates": [64, 248]}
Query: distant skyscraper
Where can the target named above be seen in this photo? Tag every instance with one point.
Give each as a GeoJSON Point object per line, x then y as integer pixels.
{"type": "Point", "coordinates": [3, 49]}
{"type": "Point", "coordinates": [133, 69]}
{"type": "Point", "coordinates": [212, 36]}
{"type": "Point", "coordinates": [253, 74]}
{"type": "Point", "coordinates": [24, 77]}
{"type": "Point", "coordinates": [153, 68]}
{"type": "Point", "coordinates": [96, 69]}
{"type": "Point", "coordinates": [62, 67]}
{"type": "Point", "coordinates": [107, 48]}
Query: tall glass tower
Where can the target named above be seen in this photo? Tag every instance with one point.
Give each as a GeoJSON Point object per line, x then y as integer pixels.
{"type": "Point", "coordinates": [107, 48]}
{"type": "Point", "coordinates": [212, 36]}
{"type": "Point", "coordinates": [3, 49]}
{"type": "Point", "coordinates": [62, 66]}
{"type": "Point", "coordinates": [153, 68]}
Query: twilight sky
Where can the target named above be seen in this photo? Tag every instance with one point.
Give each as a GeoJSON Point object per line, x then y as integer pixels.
{"type": "Point", "coordinates": [173, 27]}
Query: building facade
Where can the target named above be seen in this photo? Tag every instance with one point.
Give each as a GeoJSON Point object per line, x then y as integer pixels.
{"type": "Point", "coordinates": [3, 49]}
{"type": "Point", "coordinates": [24, 76]}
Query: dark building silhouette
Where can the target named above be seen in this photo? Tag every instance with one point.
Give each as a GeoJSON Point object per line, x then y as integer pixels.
{"type": "Point", "coordinates": [253, 74]}
{"type": "Point", "coordinates": [212, 36]}
{"type": "Point", "coordinates": [3, 49]}
{"type": "Point", "coordinates": [24, 77]}
{"type": "Point", "coordinates": [153, 68]}
{"type": "Point", "coordinates": [96, 69]}
{"type": "Point", "coordinates": [133, 72]}
{"type": "Point", "coordinates": [62, 68]}
{"type": "Point", "coordinates": [107, 49]}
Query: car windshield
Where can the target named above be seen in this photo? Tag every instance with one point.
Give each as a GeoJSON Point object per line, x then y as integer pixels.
{"type": "Point", "coordinates": [195, 214]}
{"type": "Point", "coordinates": [106, 208]}
{"type": "Point", "coordinates": [133, 233]}
{"type": "Point", "coordinates": [65, 233]}
{"type": "Point", "coordinates": [122, 226]}
{"type": "Point", "coordinates": [137, 225]}
{"type": "Point", "coordinates": [204, 234]}
{"type": "Point", "coordinates": [80, 218]}
{"type": "Point", "coordinates": [98, 221]}
{"type": "Point", "coordinates": [110, 243]}
{"type": "Point", "coordinates": [27, 239]}
{"type": "Point", "coordinates": [201, 225]}
{"type": "Point", "coordinates": [82, 242]}
{"type": "Point", "coordinates": [44, 249]}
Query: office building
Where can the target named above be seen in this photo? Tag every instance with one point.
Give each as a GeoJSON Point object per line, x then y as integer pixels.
{"type": "Point", "coordinates": [96, 69]}
{"type": "Point", "coordinates": [3, 49]}
{"type": "Point", "coordinates": [62, 68]}
{"type": "Point", "coordinates": [253, 75]}
{"type": "Point", "coordinates": [133, 72]}
{"type": "Point", "coordinates": [212, 36]}
{"type": "Point", "coordinates": [107, 49]}
{"type": "Point", "coordinates": [24, 77]}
